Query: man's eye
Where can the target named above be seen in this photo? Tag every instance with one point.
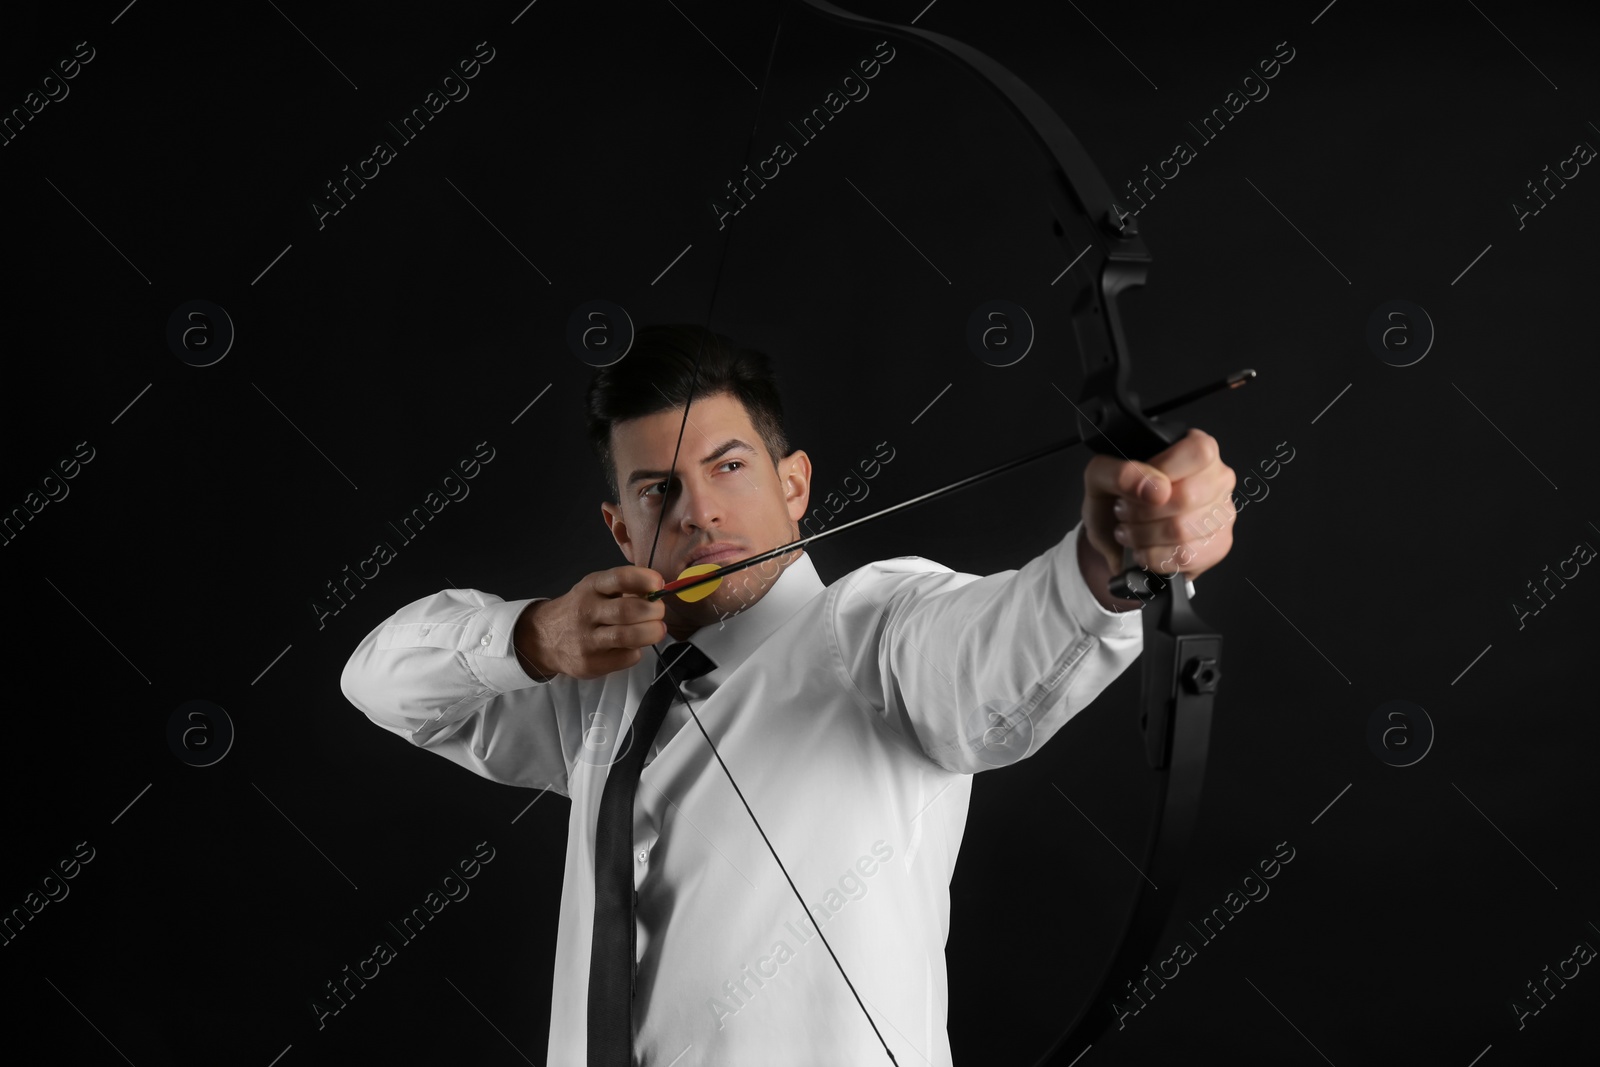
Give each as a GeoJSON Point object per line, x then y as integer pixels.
{"type": "Point", "coordinates": [660, 488]}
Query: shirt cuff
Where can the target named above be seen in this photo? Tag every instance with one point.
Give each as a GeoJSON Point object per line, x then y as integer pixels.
{"type": "Point", "coordinates": [1088, 611]}
{"type": "Point", "coordinates": [487, 645]}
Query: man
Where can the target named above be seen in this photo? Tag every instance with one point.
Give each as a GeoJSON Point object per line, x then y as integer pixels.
{"type": "Point", "coordinates": [849, 716]}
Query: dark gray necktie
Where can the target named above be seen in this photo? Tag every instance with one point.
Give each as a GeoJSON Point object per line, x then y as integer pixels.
{"type": "Point", "coordinates": [612, 950]}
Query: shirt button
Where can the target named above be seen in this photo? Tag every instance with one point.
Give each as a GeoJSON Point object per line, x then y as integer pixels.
{"type": "Point", "coordinates": [486, 639]}
{"type": "Point", "coordinates": [644, 854]}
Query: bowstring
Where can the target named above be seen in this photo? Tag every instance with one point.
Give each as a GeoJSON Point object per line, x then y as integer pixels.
{"type": "Point", "coordinates": [694, 377]}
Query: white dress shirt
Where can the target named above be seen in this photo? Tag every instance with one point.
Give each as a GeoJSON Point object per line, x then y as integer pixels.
{"type": "Point", "coordinates": [852, 716]}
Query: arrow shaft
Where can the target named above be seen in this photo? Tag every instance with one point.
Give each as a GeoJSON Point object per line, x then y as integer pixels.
{"type": "Point", "coordinates": [1232, 381]}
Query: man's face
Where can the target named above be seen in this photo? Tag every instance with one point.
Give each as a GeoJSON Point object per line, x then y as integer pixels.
{"type": "Point", "coordinates": [724, 495]}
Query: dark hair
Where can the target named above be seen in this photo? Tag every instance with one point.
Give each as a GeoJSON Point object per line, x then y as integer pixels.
{"type": "Point", "coordinates": [657, 373]}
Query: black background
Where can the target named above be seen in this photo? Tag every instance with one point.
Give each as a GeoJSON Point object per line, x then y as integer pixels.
{"type": "Point", "coordinates": [382, 347]}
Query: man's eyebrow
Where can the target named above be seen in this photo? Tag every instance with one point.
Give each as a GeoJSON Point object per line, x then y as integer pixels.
{"type": "Point", "coordinates": [727, 446]}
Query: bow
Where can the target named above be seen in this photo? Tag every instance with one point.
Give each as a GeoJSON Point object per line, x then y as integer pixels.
{"type": "Point", "coordinates": [1181, 654]}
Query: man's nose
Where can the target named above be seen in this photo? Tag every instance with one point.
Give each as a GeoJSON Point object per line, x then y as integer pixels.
{"type": "Point", "coordinates": [699, 505]}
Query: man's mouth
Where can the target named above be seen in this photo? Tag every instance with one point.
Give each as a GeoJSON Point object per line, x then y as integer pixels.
{"type": "Point", "coordinates": [719, 552]}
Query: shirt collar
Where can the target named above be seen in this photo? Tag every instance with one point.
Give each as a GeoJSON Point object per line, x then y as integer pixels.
{"type": "Point", "coordinates": [732, 641]}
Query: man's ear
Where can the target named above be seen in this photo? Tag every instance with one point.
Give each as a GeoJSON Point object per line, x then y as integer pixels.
{"type": "Point", "coordinates": [794, 474]}
{"type": "Point", "coordinates": [612, 514]}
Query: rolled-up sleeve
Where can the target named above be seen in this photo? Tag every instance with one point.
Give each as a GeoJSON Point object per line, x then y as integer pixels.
{"type": "Point", "coordinates": [978, 672]}
{"type": "Point", "coordinates": [442, 673]}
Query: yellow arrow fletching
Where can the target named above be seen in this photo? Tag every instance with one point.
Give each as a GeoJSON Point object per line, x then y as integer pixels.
{"type": "Point", "coordinates": [698, 592]}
